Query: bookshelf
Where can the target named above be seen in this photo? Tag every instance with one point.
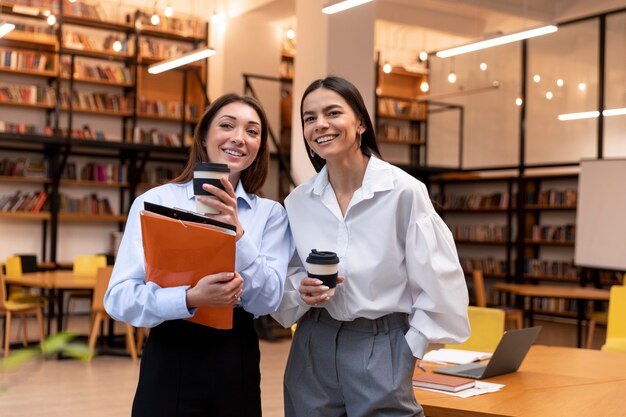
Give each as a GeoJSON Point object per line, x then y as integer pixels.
{"type": "Point", "coordinates": [83, 105]}
{"type": "Point", "coordinates": [400, 116]}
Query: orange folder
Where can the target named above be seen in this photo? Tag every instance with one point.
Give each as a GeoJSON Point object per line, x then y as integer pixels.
{"type": "Point", "coordinates": [181, 252]}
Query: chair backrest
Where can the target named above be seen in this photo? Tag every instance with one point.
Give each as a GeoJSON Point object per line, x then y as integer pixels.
{"type": "Point", "coordinates": [616, 325]}
{"type": "Point", "coordinates": [3, 291]}
{"type": "Point", "coordinates": [479, 288]}
{"type": "Point", "coordinates": [13, 266]}
{"type": "Point", "coordinates": [102, 283]}
{"type": "Point", "coordinates": [88, 264]}
{"type": "Point", "coordinates": [487, 328]}
{"type": "Point", "coordinates": [29, 263]}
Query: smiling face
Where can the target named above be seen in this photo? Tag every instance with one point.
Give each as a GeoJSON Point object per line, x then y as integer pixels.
{"type": "Point", "coordinates": [331, 128]}
{"type": "Point", "coordinates": [234, 138]}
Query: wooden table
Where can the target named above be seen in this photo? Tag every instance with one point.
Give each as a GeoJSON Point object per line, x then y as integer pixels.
{"type": "Point", "coordinates": [580, 294]}
{"type": "Point", "coordinates": [552, 382]}
{"type": "Point", "coordinates": [54, 283]}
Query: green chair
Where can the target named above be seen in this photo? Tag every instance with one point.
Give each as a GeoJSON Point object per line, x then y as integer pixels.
{"type": "Point", "coordinates": [487, 328]}
{"type": "Point", "coordinates": [616, 325]}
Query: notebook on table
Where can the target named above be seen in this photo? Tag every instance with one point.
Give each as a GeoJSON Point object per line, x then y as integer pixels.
{"type": "Point", "coordinates": [507, 358]}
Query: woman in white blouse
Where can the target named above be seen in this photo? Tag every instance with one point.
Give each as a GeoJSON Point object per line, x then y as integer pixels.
{"type": "Point", "coordinates": [354, 353]}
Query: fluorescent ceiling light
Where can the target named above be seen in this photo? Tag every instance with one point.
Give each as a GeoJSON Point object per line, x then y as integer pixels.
{"type": "Point", "coordinates": [614, 112]}
{"type": "Point", "coordinates": [181, 60]}
{"type": "Point", "coordinates": [6, 27]}
{"type": "Point", "coordinates": [578, 116]}
{"type": "Point", "coordinates": [592, 114]}
{"type": "Point", "coordinates": [501, 40]}
{"type": "Point", "coordinates": [343, 5]}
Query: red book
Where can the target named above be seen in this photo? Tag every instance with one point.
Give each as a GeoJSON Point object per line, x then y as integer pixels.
{"type": "Point", "coordinates": [442, 382]}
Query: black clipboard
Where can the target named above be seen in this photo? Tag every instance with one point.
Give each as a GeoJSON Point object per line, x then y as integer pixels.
{"type": "Point", "coordinates": [186, 215]}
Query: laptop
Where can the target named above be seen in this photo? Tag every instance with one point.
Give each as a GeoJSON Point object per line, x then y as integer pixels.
{"type": "Point", "coordinates": [507, 358]}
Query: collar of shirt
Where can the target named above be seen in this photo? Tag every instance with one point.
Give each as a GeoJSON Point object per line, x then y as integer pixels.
{"type": "Point", "coordinates": [240, 193]}
{"type": "Point", "coordinates": [378, 177]}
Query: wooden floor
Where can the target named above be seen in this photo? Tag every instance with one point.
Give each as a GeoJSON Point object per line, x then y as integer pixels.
{"type": "Point", "coordinates": [105, 386]}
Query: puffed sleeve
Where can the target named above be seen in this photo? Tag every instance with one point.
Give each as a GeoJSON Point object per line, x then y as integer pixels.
{"type": "Point", "coordinates": [292, 307]}
{"type": "Point", "coordinates": [437, 282]}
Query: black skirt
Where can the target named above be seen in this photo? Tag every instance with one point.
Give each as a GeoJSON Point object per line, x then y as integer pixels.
{"type": "Point", "coordinates": [189, 370]}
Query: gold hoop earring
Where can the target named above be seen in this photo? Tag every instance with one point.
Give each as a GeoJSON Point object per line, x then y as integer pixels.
{"type": "Point", "coordinates": [311, 152]}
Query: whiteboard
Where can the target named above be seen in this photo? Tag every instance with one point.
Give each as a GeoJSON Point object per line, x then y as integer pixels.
{"type": "Point", "coordinates": [601, 214]}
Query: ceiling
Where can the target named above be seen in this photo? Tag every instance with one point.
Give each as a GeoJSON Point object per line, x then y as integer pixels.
{"type": "Point", "coordinates": [478, 17]}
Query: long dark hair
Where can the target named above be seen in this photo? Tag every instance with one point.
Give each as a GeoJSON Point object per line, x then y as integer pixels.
{"type": "Point", "coordinates": [252, 177]}
{"type": "Point", "coordinates": [353, 97]}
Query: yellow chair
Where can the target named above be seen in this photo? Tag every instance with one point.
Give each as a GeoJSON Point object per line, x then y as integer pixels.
{"type": "Point", "coordinates": [99, 313]}
{"type": "Point", "coordinates": [616, 325]}
{"type": "Point", "coordinates": [597, 317]}
{"type": "Point", "coordinates": [86, 265]}
{"type": "Point", "coordinates": [487, 328]}
{"type": "Point", "coordinates": [515, 316]}
{"type": "Point", "coordinates": [12, 307]}
{"type": "Point", "coordinates": [14, 268]}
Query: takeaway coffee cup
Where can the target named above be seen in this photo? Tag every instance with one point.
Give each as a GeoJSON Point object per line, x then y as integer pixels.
{"type": "Point", "coordinates": [207, 173]}
{"type": "Point", "coordinates": [323, 266]}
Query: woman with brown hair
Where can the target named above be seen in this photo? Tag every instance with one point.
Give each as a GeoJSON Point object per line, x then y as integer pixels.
{"type": "Point", "coordinates": [189, 369]}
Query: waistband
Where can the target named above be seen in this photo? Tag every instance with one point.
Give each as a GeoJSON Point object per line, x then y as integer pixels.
{"type": "Point", "coordinates": [382, 324]}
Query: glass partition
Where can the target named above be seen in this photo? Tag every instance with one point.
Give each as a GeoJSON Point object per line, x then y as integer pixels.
{"type": "Point", "coordinates": [562, 79]}
{"type": "Point", "coordinates": [615, 87]}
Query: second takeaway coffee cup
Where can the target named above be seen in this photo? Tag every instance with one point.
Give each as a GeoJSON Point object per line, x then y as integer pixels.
{"type": "Point", "coordinates": [207, 173]}
{"type": "Point", "coordinates": [323, 266]}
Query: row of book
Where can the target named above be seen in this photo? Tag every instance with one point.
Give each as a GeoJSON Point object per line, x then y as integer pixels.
{"type": "Point", "coordinates": [183, 25]}
{"type": "Point", "coordinates": [89, 205]}
{"type": "Point", "coordinates": [27, 94]}
{"type": "Point", "coordinates": [399, 133]}
{"type": "Point", "coordinates": [474, 201]}
{"type": "Point", "coordinates": [171, 109]}
{"type": "Point", "coordinates": [404, 108]}
{"type": "Point", "coordinates": [157, 175]}
{"type": "Point", "coordinates": [156, 49]}
{"type": "Point", "coordinates": [25, 60]}
{"type": "Point", "coordinates": [154, 137]}
{"type": "Point", "coordinates": [28, 28]}
{"type": "Point", "coordinates": [24, 128]}
{"type": "Point", "coordinates": [542, 267]}
{"type": "Point", "coordinates": [554, 198]}
{"type": "Point", "coordinates": [481, 232]}
{"type": "Point", "coordinates": [93, 171]}
{"type": "Point", "coordinates": [82, 9]}
{"type": "Point", "coordinates": [113, 74]}
{"type": "Point", "coordinates": [553, 233]}
{"type": "Point", "coordinates": [25, 202]}
{"type": "Point", "coordinates": [486, 265]}
{"type": "Point", "coordinates": [96, 100]}
{"type": "Point", "coordinates": [24, 167]}
{"type": "Point", "coordinates": [551, 305]}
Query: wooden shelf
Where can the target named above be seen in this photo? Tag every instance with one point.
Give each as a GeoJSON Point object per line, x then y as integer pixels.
{"type": "Point", "coordinates": [549, 242]}
{"type": "Point", "coordinates": [548, 208]}
{"type": "Point", "coordinates": [478, 210]}
{"type": "Point", "coordinates": [400, 117]}
{"type": "Point", "coordinates": [382, 139]}
{"type": "Point", "coordinates": [555, 278]}
{"type": "Point", "coordinates": [87, 183]}
{"type": "Point", "coordinates": [91, 218]}
{"type": "Point", "coordinates": [24, 180]}
{"type": "Point", "coordinates": [29, 105]}
{"type": "Point", "coordinates": [97, 81]}
{"type": "Point", "coordinates": [19, 215]}
{"type": "Point", "coordinates": [99, 112]}
{"type": "Point", "coordinates": [45, 39]}
{"type": "Point", "coordinates": [34, 73]}
{"type": "Point", "coordinates": [480, 242]}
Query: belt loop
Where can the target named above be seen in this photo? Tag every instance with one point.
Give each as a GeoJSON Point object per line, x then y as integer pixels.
{"type": "Point", "coordinates": [374, 328]}
{"type": "Point", "coordinates": [386, 323]}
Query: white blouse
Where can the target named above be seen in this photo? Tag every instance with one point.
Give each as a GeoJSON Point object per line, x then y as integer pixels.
{"type": "Point", "coordinates": [395, 253]}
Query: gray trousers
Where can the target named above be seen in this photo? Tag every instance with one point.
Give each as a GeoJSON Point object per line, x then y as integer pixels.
{"type": "Point", "coordinates": [361, 368]}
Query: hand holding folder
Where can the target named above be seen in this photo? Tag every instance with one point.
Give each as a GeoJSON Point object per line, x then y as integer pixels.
{"type": "Point", "coordinates": [182, 247]}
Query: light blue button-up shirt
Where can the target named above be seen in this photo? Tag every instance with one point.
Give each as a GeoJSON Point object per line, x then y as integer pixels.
{"type": "Point", "coordinates": [262, 255]}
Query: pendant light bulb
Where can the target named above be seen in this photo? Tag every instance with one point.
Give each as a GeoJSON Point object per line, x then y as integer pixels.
{"type": "Point", "coordinates": [168, 11]}
{"type": "Point", "coordinates": [117, 45]}
{"type": "Point", "coordinates": [536, 78]}
{"type": "Point", "coordinates": [452, 78]}
{"type": "Point", "coordinates": [549, 95]}
{"type": "Point", "coordinates": [291, 34]}
{"type": "Point", "coordinates": [424, 87]}
{"type": "Point", "coordinates": [155, 19]}
{"type": "Point", "coordinates": [582, 86]}
{"type": "Point", "coordinates": [483, 66]}
{"type": "Point", "coordinates": [387, 68]}
{"type": "Point", "coordinates": [423, 56]}
{"type": "Point", "coordinates": [560, 82]}
{"type": "Point", "coordinates": [51, 20]}
{"type": "Point", "coordinates": [518, 101]}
